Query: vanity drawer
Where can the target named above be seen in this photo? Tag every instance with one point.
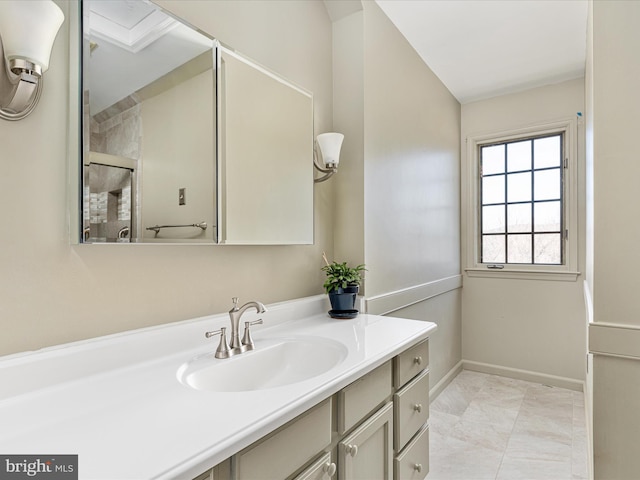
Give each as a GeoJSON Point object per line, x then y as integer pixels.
{"type": "Point", "coordinates": [411, 409]}
{"type": "Point", "coordinates": [287, 450]}
{"type": "Point", "coordinates": [362, 396]}
{"type": "Point", "coordinates": [413, 462]}
{"type": "Point", "coordinates": [410, 363]}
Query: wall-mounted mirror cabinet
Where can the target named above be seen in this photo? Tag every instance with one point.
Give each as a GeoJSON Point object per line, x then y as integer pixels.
{"type": "Point", "coordinates": [185, 140]}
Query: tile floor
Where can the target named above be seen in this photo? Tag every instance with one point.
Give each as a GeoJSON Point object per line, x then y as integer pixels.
{"type": "Point", "coordinates": [489, 427]}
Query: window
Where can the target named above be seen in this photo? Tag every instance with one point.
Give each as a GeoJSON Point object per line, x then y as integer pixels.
{"type": "Point", "coordinates": [521, 193]}
{"type": "Point", "coordinates": [521, 213]}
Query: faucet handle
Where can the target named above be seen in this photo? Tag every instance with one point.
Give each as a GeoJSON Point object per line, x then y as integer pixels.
{"type": "Point", "coordinates": [223, 350]}
{"type": "Point", "coordinates": [247, 341]}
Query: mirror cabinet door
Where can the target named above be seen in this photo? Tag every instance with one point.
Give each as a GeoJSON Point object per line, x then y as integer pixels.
{"type": "Point", "coordinates": [265, 142]}
{"type": "Point", "coordinates": [149, 110]}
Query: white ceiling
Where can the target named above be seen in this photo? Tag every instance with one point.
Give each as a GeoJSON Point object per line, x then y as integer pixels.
{"type": "Point", "coordinates": [478, 48]}
{"type": "Point", "coordinates": [484, 48]}
{"type": "Point", "coordinates": [136, 44]}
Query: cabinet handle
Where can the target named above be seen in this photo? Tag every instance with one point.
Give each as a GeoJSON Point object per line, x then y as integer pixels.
{"type": "Point", "coordinates": [418, 360]}
{"type": "Point", "coordinates": [329, 469]}
{"type": "Point", "coordinates": [418, 407]}
{"type": "Point", "coordinates": [351, 450]}
{"type": "Point", "coordinates": [418, 467]}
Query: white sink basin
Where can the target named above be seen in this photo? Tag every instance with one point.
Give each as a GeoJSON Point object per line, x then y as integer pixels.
{"type": "Point", "coordinates": [273, 363]}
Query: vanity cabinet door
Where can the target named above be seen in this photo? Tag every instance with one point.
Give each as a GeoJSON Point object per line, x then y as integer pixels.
{"type": "Point", "coordinates": [290, 448]}
{"type": "Point", "coordinates": [322, 469]}
{"type": "Point", "coordinates": [367, 453]}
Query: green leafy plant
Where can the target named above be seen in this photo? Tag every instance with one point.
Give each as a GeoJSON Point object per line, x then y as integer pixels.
{"type": "Point", "coordinates": [340, 275]}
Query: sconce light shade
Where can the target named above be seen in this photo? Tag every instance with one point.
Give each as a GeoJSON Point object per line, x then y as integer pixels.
{"type": "Point", "coordinates": [27, 30]}
{"type": "Point", "coordinates": [329, 145]}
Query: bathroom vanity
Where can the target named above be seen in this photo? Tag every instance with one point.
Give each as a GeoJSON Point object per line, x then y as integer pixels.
{"type": "Point", "coordinates": [318, 398]}
{"type": "Point", "coordinates": [375, 428]}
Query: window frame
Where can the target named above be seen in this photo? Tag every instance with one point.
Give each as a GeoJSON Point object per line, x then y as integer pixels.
{"type": "Point", "coordinates": [566, 271]}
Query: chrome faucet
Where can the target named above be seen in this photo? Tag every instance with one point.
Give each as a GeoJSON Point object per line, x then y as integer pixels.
{"type": "Point", "coordinates": [237, 346]}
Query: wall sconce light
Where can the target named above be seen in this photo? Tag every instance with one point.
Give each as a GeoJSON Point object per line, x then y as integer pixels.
{"type": "Point", "coordinates": [27, 32]}
{"type": "Point", "coordinates": [329, 145]}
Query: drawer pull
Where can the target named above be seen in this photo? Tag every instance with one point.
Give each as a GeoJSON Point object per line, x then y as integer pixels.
{"type": "Point", "coordinates": [418, 407]}
{"type": "Point", "coordinates": [418, 467]}
{"type": "Point", "coordinates": [329, 469]}
{"type": "Point", "coordinates": [418, 360]}
{"type": "Point", "coordinates": [352, 450]}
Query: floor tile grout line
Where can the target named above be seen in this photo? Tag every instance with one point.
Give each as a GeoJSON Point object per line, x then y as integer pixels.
{"type": "Point", "coordinates": [515, 421]}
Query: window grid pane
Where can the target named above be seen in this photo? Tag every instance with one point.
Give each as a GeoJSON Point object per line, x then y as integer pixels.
{"type": "Point", "coordinates": [519, 156]}
{"type": "Point", "coordinates": [493, 219]}
{"type": "Point", "coordinates": [519, 187]}
{"type": "Point", "coordinates": [519, 248]}
{"type": "Point", "coordinates": [519, 218]}
{"type": "Point", "coordinates": [527, 191]}
{"type": "Point", "coordinates": [493, 248]}
{"type": "Point", "coordinates": [547, 248]}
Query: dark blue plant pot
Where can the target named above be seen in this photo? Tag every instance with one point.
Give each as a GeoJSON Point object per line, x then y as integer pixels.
{"type": "Point", "coordinates": [350, 289]}
{"type": "Point", "coordinates": [344, 298]}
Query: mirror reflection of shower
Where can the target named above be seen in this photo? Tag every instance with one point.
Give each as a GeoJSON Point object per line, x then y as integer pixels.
{"type": "Point", "coordinates": [148, 106]}
{"type": "Point", "coordinates": [109, 197]}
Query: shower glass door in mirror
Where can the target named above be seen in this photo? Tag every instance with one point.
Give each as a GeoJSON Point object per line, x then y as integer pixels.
{"type": "Point", "coordinates": [148, 126]}
{"type": "Point", "coordinates": [109, 201]}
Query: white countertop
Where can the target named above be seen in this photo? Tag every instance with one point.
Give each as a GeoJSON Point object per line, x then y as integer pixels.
{"type": "Point", "coordinates": [116, 401]}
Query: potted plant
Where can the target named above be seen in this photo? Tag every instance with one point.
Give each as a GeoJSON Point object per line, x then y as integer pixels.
{"type": "Point", "coordinates": [342, 285]}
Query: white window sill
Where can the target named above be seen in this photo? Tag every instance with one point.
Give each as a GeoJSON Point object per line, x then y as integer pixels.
{"type": "Point", "coordinates": [524, 274]}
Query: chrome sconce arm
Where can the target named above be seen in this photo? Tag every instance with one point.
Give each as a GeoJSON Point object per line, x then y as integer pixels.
{"type": "Point", "coordinates": [27, 33]}
{"type": "Point", "coordinates": [21, 92]}
{"type": "Point", "coordinates": [328, 172]}
{"type": "Point", "coordinates": [329, 145]}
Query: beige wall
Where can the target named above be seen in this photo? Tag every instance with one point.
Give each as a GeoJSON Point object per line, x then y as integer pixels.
{"type": "Point", "coordinates": [411, 173]}
{"type": "Point", "coordinates": [616, 166]}
{"type": "Point", "coordinates": [348, 118]}
{"type": "Point", "coordinates": [612, 95]}
{"type": "Point", "coordinates": [532, 325]}
{"type": "Point", "coordinates": [51, 292]}
{"type": "Point", "coordinates": [588, 277]}
{"type": "Point", "coordinates": [398, 191]}
{"type": "Point", "coordinates": [445, 344]}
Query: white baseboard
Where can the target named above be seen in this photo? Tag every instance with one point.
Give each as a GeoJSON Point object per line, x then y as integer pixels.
{"type": "Point", "coordinates": [537, 377]}
{"type": "Point", "coordinates": [444, 381]}
{"type": "Point", "coordinates": [529, 376]}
